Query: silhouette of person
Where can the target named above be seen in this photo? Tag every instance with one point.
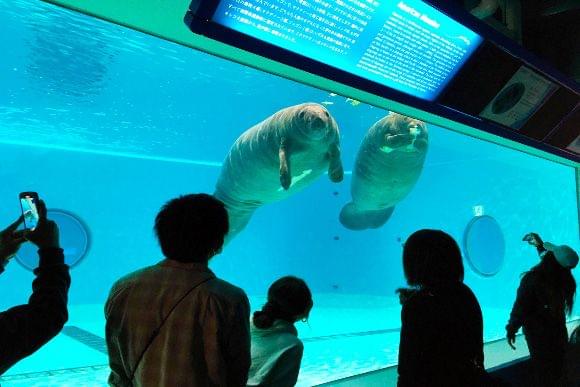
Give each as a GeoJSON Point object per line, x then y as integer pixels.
{"type": "Point", "coordinates": [441, 321]}
{"type": "Point", "coordinates": [26, 328]}
{"type": "Point", "coordinates": [544, 298]}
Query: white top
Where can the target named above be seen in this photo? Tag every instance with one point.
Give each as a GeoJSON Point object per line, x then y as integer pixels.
{"type": "Point", "coordinates": [276, 355]}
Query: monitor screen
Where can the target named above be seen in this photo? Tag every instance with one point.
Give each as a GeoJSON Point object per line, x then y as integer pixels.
{"type": "Point", "coordinates": [405, 45]}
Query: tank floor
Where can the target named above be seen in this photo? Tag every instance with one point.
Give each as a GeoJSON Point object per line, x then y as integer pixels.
{"type": "Point", "coordinates": [346, 335]}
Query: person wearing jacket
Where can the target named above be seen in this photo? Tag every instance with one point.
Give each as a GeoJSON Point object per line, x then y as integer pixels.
{"type": "Point", "coordinates": [276, 349]}
{"type": "Point", "coordinates": [26, 328]}
{"type": "Point", "coordinates": [175, 324]}
{"type": "Point", "coordinates": [544, 298]}
{"type": "Point", "coordinates": [441, 342]}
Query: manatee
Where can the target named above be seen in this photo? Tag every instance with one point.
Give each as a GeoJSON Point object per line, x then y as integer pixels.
{"type": "Point", "coordinates": [388, 164]}
{"type": "Point", "coordinates": [276, 158]}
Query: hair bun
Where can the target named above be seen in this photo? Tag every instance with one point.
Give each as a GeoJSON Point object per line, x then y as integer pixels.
{"type": "Point", "coordinates": [263, 320]}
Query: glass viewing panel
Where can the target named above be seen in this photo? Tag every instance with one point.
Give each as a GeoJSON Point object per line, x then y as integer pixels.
{"type": "Point", "coordinates": [109, 123]}
{"type": "Point", "coordinates": [406, 45]}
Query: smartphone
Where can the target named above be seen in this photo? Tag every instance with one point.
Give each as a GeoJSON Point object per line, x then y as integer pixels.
{"type": "Point", "coordinates": [28, 204]}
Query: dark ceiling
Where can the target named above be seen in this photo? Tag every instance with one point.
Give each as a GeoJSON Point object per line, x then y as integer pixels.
{"type": "Point", "coordinates": [550, 29]}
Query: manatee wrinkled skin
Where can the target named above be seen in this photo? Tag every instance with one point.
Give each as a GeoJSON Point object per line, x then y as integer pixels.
{"type": "Point", "coordinates": [388, 165]}
{"type": "Point", "coordinates": [276, 158]}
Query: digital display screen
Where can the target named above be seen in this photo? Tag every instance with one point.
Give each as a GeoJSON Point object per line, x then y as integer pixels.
{"type": "Point", "coordinates": [405, 45]}
{"type": "Point", "coordinates": [29, 211]}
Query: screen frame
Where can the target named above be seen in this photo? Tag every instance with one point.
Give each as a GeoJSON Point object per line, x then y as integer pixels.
{"type": "Point", "coordinates": [199, 19]}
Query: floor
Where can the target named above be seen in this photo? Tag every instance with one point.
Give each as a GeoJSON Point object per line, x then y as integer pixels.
{"type": "Point", "coordinates": [346, 335]}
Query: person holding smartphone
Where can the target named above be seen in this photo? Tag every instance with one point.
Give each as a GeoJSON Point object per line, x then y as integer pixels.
{"type": "Point", "coordinates": [544, 298]}
{"type": "Point", "coordinates": [26, 328]}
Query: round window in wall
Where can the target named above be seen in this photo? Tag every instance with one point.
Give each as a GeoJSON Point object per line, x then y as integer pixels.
{"type": "Point", "coordinates": [74, 240]}
{"type": "Point", "coordinates": [484, 245]}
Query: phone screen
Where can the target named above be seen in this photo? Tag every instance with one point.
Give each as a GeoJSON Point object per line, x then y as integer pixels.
{"type": "Point", "coordinates": [29, 210]}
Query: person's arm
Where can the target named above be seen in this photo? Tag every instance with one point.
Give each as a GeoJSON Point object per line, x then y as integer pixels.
{"type": "Point", "coordinates": [238, 345]}
{"type": "Point", "coordinates": [118, 375]}
{"type": "Point", "coordinates": [476, 326]}
{"type": "Point", "coordinates": [25, 328]}
{"type": "Point", "coordinates": [411, 346]}
{"type": "Point", "coordinates": [520, 309]}
{"type": "Point", "coordinates": [535, 240]}
{"type": "Point", "coordinates": [226, 338]}
{"type": "Point", "coordinates": [285, 371]}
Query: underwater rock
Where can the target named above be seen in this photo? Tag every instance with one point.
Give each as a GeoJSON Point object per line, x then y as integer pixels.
{"type": "Point", "coordinates": [276, 158]}
{"type": "Point", "coordinates": [388, 164]}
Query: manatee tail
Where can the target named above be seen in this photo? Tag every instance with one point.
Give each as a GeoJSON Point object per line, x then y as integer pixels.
{"type": "Point", "coordinates": [239, 215]}
{"type": "Point", "coordinates": [354, 219]}
{"type": "Point", "coordinates": [238, 220]}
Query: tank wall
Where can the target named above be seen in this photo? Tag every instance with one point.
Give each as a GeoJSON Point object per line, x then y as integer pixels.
{"type": "Point", "coordinates": [118, 198]}
{"type": "Point", "coordinates": [109, 124]}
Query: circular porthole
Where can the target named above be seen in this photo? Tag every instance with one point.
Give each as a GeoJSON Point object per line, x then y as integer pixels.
{"type": "Point", "coordinates": [484, 245]}
{"type": "Point", "coordinates": [74, 240]}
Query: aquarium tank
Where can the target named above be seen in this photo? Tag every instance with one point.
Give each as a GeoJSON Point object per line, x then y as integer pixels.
{"type": "Point", "coordinates": [107, 124]}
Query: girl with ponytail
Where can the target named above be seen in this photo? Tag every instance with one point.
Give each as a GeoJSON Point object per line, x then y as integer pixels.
{"type": "Point", "coordinates": [276, 348]}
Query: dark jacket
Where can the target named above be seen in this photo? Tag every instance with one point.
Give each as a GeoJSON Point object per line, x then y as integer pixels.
{"type": "Point", "coordinates": [573, 358]}
{"type": "Point", "coordinates": [26, 328]}
{"type": "Point", "coordinates": [441, 339]}
{"type": "Point", "coordinates": [544, 324]}
{"type": "Point", "coordinates": [541, 313]}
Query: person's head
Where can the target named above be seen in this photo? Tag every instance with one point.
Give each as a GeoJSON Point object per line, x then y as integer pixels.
{"type": "Point", "coordinates": [289, 298]}
{"type": "Point", "coordinates": [191, 228]}
{"type": "Point", "coordinates": [432, 258]}
{"type": "Point", "coordinates": [564, 255]}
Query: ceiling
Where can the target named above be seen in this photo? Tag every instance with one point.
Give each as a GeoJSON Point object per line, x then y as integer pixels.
{"type": "Point", "coordinates": [548, 28]}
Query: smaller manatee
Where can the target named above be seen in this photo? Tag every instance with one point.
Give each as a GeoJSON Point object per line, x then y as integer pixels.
{"type": "Point", "coordinates": [388, 164]}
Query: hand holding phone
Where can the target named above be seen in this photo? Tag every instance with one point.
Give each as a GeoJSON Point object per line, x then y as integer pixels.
{"type": "Point", "coordinates": [28, 204]}
{"type": "Point", "coordinates": [45, 234]}
{"type": "Point", "coordinates": [533, 239]}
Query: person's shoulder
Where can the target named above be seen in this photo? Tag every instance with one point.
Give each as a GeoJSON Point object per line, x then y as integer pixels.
{"type": "Point", "coordinates": [132, 278]}
{"type": "Point", "coordinates": [470, 297]}
{"type": "Point", "coordinates": [466, 291]}
{"type": "Point", "coordinates": [221, 289]}
{"type": "Point", "coordinates": [295, 346]}
{"type": "Point", "coordinates": [418, 299]}
{"type": "Point", "coordinates": [529, 279]}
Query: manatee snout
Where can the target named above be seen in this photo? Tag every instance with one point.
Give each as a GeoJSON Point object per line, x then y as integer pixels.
{"type": "Point", "coordinates": [315, 121]}
{"type": "Point", "coordinates": [408, 137]}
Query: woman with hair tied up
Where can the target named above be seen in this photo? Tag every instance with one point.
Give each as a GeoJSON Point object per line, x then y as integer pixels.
{"type": "Point", "coordinates": [276, 348]}
{"type": "Point", "coordinates": [544, 298]}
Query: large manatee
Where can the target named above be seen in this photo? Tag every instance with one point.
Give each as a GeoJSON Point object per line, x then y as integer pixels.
{"type": "Point", "coordinates": [388, 164]}
{"type": "Point", "coordinates": [276, 158]}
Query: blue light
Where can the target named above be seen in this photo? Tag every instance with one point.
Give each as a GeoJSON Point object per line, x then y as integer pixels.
{"type": "Point", "coordinates": [406, 45]}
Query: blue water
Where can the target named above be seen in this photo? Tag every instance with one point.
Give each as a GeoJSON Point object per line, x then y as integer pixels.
{"type": "Point", "coordinates": [109, 123]}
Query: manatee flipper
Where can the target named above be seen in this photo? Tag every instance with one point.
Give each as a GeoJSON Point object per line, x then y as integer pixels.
{"type": "Point", "coordinates": [285, 175]}
{"type": "Point", "coordinates": [354, 219]}
{"type": "Point", "coordinates": [335, 170]}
